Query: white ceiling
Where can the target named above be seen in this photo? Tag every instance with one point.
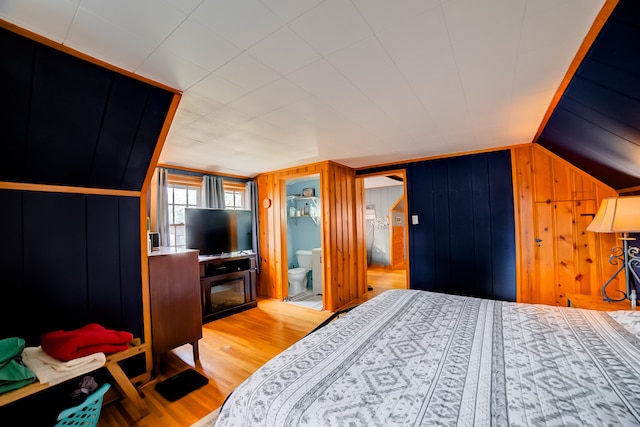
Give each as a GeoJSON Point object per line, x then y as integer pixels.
{"type": "Point", "coordinates": [271, 84]}
{"type": "Point", "coordinates": [380, 181]}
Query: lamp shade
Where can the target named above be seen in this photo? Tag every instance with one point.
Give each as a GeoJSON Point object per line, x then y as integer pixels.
{"type": "Point", "coordinates": [617, 215]}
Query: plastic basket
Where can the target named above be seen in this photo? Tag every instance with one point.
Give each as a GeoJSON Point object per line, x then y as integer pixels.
{"type": "Point", "coordinates": [85, 414]}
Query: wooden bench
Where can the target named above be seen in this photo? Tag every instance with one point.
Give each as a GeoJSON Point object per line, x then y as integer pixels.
{"type": "Point", "coordinates": [122, 382]}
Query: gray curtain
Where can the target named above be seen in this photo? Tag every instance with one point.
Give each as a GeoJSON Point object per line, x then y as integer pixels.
{"type": "Point", "coordinates": [251, 191]}
{"type": "Point", "coordinates": [162, 208]}
{"type": "Point", "coordinates": [212, 192]}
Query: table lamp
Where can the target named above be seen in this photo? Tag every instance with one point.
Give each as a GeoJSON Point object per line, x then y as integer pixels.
{"type": "Point", "coordinates": [620, 215]}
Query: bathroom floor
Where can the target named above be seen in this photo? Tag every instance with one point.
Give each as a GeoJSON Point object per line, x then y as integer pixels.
{"type": "Point", "coordinates": [307, 299]}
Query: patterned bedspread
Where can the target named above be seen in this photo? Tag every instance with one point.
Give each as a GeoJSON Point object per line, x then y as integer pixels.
{"type": "Point", "coordinates": [420, 358]}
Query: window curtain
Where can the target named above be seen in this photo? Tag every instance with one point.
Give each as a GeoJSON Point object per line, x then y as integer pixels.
{"type": "Point", "coordinates": [162, 208]}
{"type": "Point", "coordinates": [251, 194]}
{"type": "Point", "coordinates": [212, 192]}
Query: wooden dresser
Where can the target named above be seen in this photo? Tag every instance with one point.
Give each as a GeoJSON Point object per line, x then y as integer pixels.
{"type": "Point", "coordinates": [174, 291]}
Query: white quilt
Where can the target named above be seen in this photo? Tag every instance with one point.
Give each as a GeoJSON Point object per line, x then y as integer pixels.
{"type": "Point", "coordinates": [420, 358]}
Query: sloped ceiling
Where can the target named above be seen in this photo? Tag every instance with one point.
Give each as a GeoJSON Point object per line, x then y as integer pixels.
{"type": "Point", "coordinates": [596, 124]}
{"type": "Point", "coordinates": [269, 84]}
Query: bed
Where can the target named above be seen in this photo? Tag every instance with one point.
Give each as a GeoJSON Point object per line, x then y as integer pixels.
{"type": "Point", "coordinates": [410, 357]}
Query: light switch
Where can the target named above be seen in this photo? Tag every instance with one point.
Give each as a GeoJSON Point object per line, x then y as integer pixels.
{"type": "Point", "coordinates": [414, 219]}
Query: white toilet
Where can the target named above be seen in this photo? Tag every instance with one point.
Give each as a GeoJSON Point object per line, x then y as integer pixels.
{"type": "Point", "coordinates": [298, 276]}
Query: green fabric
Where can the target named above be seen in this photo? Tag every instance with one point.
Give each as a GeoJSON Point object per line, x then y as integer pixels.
{"type": "Point", "coordinates": [13, 374]}
{"type": "Point", "coordinates": [10, 348]}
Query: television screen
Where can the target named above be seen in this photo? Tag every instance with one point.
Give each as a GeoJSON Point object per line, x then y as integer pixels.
{"type": "Point", "coordinates": [218, 231]}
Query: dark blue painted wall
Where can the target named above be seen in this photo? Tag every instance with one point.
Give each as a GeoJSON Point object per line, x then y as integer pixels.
{"type": "Point", "coordinates": [596, 124]}
{"type": "Point", "coordinates": [68, 260]}
{"type": "Point", "coordinates": [465, 240]}
{"type": "Point", "coordinates": [70, 122]}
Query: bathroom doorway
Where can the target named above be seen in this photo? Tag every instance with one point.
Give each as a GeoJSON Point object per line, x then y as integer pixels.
{"type": "Point", "coordinates": [304, 241]}
{"type": "Point", "coordinates": [386, 224]}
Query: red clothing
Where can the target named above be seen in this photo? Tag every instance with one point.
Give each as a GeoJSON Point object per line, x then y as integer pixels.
{"type": "Point", "coordinates": [93, 338]}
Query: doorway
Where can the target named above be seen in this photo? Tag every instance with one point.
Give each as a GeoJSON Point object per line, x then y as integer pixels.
{"type": "Point", "coordinates": [386, 227]}
{"type": "Point", "coordinates": [304, 247]}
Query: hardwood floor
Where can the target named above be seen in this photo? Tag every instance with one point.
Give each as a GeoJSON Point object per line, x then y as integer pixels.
{"type": "Point", "coordinates": [230, 350]}
{"type": "Point", "coordinates": [382, 279]}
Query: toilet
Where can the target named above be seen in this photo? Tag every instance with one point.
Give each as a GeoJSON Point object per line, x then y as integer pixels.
{"type": "Point", "coordinates": [298, 276]}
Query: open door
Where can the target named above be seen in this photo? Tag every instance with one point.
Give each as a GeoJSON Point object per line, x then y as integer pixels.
{"type": "Point", "coordinates": [386, 230]}
{"type": "Point", "coordinates": [398, 232]}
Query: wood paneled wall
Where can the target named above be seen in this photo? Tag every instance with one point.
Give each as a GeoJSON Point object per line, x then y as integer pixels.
{"type": "Point", "coordinates": [554, 203]}
{"type": "Point", "coordinates": [342, 231]}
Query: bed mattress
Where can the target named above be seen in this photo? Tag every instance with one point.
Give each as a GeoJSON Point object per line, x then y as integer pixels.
{"type": "Point", "coordinates": [412, 357]}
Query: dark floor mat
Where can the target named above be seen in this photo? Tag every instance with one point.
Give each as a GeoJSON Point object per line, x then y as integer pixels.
{"type": "Point", "coordinates": [181, 384]}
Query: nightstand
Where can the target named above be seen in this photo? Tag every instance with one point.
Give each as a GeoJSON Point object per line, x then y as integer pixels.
{"type": "Point", "coordinates": [596, 303]}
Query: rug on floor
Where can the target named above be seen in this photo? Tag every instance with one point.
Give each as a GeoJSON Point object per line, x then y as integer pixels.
{"type": "Point", "coordinates": [207, 421]}
{"type": "Point", "coordinates": [181, 384]}
{"type": "Point", "coordinates": [307, 299]}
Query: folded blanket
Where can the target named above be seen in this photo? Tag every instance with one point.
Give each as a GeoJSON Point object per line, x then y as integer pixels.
{"type": "Point", "coordinates": [90, 339]}
{"type": "Point", "coordinates": [54, 371]}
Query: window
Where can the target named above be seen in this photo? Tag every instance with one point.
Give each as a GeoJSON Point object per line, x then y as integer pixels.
{"type": "Point", "coordinates": [234, 195]}
{"type": "Point", "coordinates": [185, 192]}
{"type": "Point", "coordinates": [182, 192]}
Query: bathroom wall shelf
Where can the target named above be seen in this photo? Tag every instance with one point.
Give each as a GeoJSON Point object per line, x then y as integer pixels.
{"type": "Point", "coordinates": [297, 202]}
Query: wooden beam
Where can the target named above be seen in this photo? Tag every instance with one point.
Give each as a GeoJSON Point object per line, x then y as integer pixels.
{"type": "Point", "coordinates": [203, 172]}
{"type": "Point", "coordinates": [64, 189]}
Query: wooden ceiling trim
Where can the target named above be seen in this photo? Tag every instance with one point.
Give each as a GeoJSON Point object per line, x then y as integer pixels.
{"type": "Point", "coordinates": [631, 191]}
{"type": "Point", "coordinates": [202, 171]}
{"type": "Point", "coordinates": [173, 107]}
{"type": "Point", "coordinates": [365, 169]}
{"type": "Point", "coordinates": [595, 29]}
{"type": "Point", "coordinates": [66, 189]}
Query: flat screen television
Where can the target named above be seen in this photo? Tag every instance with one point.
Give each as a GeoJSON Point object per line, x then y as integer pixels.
{"type": "Point", "coordinates": [218, 231]}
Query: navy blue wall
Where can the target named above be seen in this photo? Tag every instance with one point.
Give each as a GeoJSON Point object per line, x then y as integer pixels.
{"type": "Point", "coordinates": [71, 122]}
{"type": "Point", "coordinates": [68, 260]}
{"type": "Point", "coordinates": [465, 240]}
{"type": "Point", "coordinates": [596, 124]}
